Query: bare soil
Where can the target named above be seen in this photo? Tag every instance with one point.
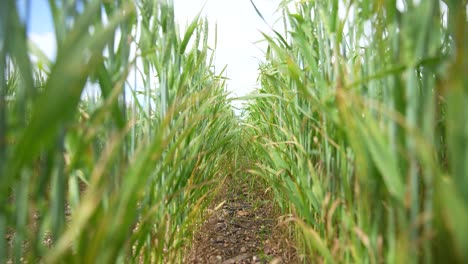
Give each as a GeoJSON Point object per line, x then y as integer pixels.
{"type": "Point", "coordinates": [242, 226]}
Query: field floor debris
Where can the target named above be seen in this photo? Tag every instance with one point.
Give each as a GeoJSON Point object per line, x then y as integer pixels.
{"type": "Point", "coordinates": [242, 226]}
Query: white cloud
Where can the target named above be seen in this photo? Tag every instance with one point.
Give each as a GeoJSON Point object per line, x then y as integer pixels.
{"type": "Point", "coordinates": [46, 42]}
{"type": "Point", "coordinates": [239, 27]}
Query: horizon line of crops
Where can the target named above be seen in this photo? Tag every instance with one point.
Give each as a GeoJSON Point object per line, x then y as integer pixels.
{"type": "Point", "coordinates": [120, 174]}
{"type": "Point", "coordinates": [360, 129]}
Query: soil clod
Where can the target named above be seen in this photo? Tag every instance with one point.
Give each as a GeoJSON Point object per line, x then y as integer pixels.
{"type": "Point", "coordinates": [242, 228]}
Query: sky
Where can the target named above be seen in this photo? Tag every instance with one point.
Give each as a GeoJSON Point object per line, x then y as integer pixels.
{"type": "Point", "coordinates": [238, 25]}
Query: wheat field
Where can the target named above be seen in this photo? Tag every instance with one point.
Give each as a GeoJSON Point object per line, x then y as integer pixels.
{"type": "Point", "coordinates": [358, 128]}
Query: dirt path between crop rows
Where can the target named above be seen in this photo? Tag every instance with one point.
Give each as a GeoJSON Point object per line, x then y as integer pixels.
{"type": "Point", "coordinates": [242, 228]}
